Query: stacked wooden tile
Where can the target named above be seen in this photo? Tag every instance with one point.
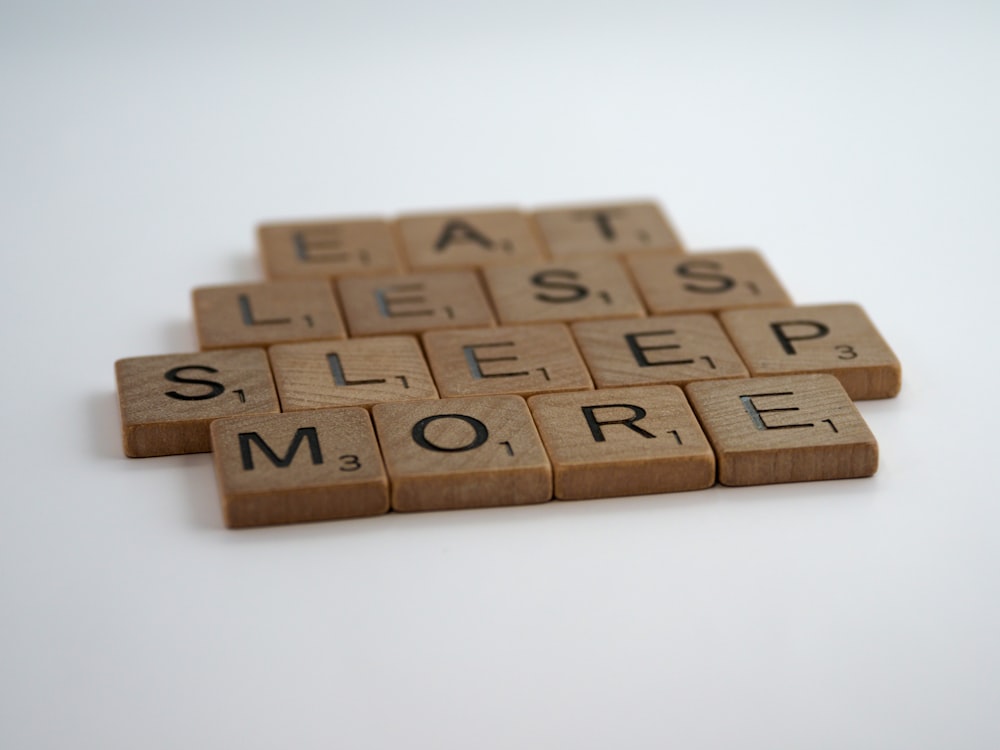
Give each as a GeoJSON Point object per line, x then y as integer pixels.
{"type": "Point", "coordinates": [483, 358]}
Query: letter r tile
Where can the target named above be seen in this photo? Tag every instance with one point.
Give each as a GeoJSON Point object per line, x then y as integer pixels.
{"type": "Point", "coordinates": [303, 466]}
{"type": "Point", "coordinates": [623, 441]}
{"type": "Point", "coordinates": [793, 428]}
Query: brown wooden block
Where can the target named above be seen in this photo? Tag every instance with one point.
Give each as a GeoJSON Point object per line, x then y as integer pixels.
{"type": "Point", "coordinates": [793, 428]}
{"type": "Point", "coordinates": [623, 441]}
{"type": "Point", "coordinates": [462, 453]}
{"type": "Point", "coordinates": [506, 360]}
{"type": "Point", "coordinates": [167, 401]}
{"type": "Point", "coordinates": [706, 282]}
{"type": "Point", "coordinates": [291, 468]}
{"type": "Point", "coordinates": [575, 288]}
{"type": "Point", "coordinates": [415, 303]}
{"type": "Point", "coordinates": [328, 249]}
{"type": "Point", "coordinates": [356, 372]}
{"type": "Point", "coordinates": [835, 339]}
{"type": "Point", "coordinates": [468, 239]}
{"type": "Point", "coordinates": [664, 349]}
{"type": "Point", "coordinates": [267, 313]}
{"type": "Point", "coordinates": [607, 228]}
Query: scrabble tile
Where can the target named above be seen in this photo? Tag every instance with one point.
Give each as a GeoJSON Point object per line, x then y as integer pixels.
{"type": "Point", "coordinates": [462, 453]}
{"type": "Point", "coordinates": [793, 428]}
{"type": "Point", "coordinates": [505, 360]}
{"type": "Point", "coordinates": [328, 249]}
{"type": "Point", "coordinates": [706, 282]}
{"type": "Point", "coordinates": [574, 288]}
{"type": "Point", "coordinates": [468, 239]}
{"type": "Point", "coordinates": [167, 401]}
{"type": "Point", "coordinates": [415, 303]}
{"type": "Point", "coordinates": [623, 441]}
{"type": "Point", "coordinates": [607, 228]}
{"type": "Point", "coordinates": [268, 313]}
{"type": "Point", "coordinates": [835, 339]}
{"type": "Point", "coordinates": [663, 349]}
{"type": "Point", "coordinates": [305, 466]}
{"type": "Point", "coordinates": [356, 372]}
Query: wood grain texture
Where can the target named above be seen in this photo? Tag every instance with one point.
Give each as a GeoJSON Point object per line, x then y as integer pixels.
{"type": "Point", "coordinates": [574, 288]}
{"type": "Point", "coordinates": [414, 303]}
{"type": "Point", "coordinates": [356, 372]}
{"type": "Point", "coordinates": [664, 349]}
{"type": "Point", "coordinates": [305, 466]}
{"type": "Point", "coordinates": [792, 428]}
{"type": "Point", "coordinates": [468, 239]}
{"type": "Point", "coordinates": [520, 360]}
{"type": "Point", "coordinates": [706, 282]}
{"type": "Point", "coordinates": [328, 249]}
{"type": "Point", "coordinates": [167, 401]}
{"type": "Point", "coordinates": [836, 339]}
{"type": "Point", "coordinates": [462, 453]}
{"type": "Point", "coordinates": [268, 313]}
{"type": "Point", "coordinates": [623, 441]}
{"type": "Point", "coordinates": [607, 228]}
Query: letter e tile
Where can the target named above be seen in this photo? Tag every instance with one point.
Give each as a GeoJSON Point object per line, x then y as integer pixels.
{"type": "Point", "coordinates": [793, 428]}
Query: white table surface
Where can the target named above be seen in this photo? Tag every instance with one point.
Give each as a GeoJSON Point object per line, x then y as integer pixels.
{"type": "Point", "coordinates": [855, 144]}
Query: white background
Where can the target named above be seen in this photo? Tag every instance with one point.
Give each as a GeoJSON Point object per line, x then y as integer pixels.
{"type": "Point", "coordinates": [854, 143]}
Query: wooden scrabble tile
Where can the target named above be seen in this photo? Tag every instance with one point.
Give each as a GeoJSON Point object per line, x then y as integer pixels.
{"type": "Point", "coordinates": [468, 239]}
{"type": "Point", "coordinates": [462, 453]}
{"type": "Point", "coordinates": [167, 401]}
{"type": "Point", "coordinates": [607, 228]}
{"type": "Point", "coordinates": [327, 249]}
{"type": "Point", "coordinates": [623, 441]}
{"type": "Point", "coordinates": [664, 349]}
{"type": "Point", "coordinates": [575, 288]}
{"type": "Point", "coordinates": [706, 282]}
{"type": "Point", "coordinates": [415, 303]}
{"type": "Point", "coordinates": [306, 466]}
{"type": "Point", "coordinates": [506, 360]}
{"type": "Point", "coordinates": [793, 428]}
{"type": "Point", "coordinates": [356, 372]}
{"type": "Point", "coordinates": [267, 313]}
{"type": "Point", "coordinates": [835, 339]}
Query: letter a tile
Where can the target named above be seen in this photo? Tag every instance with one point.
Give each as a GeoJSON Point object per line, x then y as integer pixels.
{"type": "Point", "coordinates": [795, 428]}
{"type": "Point", "coordinates": [462, 453]}
{"type": "Point", "coordinates": [304, 466]}
{"type": "Point", "coordinates": [623, 441]}
{"type": "Point", "coordinates": [470, 239]}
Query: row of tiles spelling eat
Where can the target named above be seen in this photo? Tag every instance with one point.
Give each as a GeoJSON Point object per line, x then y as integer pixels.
{"type": "Point", "coordinates": [461, 239]}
